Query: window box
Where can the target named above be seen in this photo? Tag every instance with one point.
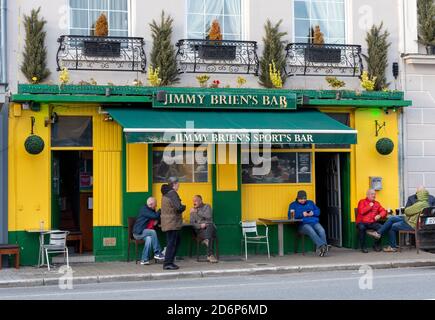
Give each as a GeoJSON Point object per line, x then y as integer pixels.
{"type": "Point", "coordinates": [216, 51]}
{"type": "Point", "coordinates": [320, 54]}
{"type": "Point", "coordinates": [100, 48]}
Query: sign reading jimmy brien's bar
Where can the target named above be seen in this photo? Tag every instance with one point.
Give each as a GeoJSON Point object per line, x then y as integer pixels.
{"type": "Point", "coordinates": [215, 100]}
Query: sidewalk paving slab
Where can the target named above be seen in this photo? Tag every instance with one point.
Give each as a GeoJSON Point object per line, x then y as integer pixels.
{"type": "Point", "coordinates": [338, 259]}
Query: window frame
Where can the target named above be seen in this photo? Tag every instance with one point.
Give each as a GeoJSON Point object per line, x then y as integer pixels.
{"type": "Point", "coordinates": [129, 17]}
{"type": "Point", "coordinates": [347, 25]}
{"type": "Point", "coordinates": [244, 9]}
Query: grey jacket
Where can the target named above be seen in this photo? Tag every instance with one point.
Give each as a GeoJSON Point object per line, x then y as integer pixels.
{"type": "Point", "coordinates": [204, 214]}
{"type": "Point", "coordinates": [172, 209]}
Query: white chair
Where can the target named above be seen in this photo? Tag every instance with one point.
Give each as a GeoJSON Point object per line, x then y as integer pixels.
{"type": "Point", "coordinates": [57, 244]}
{"type": "Point", "coordinates": [250, 235]}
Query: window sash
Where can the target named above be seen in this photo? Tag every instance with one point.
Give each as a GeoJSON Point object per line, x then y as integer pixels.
{"type": "Point", "coordinates": [92, 14]}
{"type": "Point", "coordinates": [327, 13]}
{"type": "Point", "coordinates": [205, 17]}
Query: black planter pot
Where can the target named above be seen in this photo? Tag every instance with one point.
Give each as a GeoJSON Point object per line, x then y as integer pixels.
{"type": "Point", "coordinates": [216, 52]}
{"type": "Point", "coordinates": [108, 49]}
{"type": "Point", "coordinates": [319, 54]}
{"type": "Point", "coordinates": [430, 50]}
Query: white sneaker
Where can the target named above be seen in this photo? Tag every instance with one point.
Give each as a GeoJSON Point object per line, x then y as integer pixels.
{"type": "Point", "coordinates": [143, 262]}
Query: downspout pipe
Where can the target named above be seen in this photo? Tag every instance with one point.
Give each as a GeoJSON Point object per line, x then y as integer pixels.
{"type": "Point", "coordinates": [3, 129]}
{"type": "Point", "coordinates": [3, 28]}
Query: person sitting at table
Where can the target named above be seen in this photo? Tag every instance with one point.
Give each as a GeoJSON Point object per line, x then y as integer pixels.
{"type": "Point", "coordinates": [310, 226]}
{"type": "Point", "coordinates": [406, 222]}
{"type": "Point", "coordinates": [201, 218]}
{"type": "Point", "coordinates": [143, 229]}
{"type": "Point", "coordinates": [370, 212]}
{"type": "Point", "coordinates": [413, 199]}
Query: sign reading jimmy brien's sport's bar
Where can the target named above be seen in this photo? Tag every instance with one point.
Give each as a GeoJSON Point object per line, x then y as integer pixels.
{"type": "Point", "coordinates": [215, 100]}
{"type": "Point", "coordinates": [251, 137]}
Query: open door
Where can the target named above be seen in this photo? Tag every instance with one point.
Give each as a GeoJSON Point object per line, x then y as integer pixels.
{"type": "Point", "coordinates": [333, 201]}
{"type": "Point", "coordinates": [55, 191]}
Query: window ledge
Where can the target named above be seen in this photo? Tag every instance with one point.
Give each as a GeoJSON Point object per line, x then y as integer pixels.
{"type": "Point", "coordinates": [418, 58]}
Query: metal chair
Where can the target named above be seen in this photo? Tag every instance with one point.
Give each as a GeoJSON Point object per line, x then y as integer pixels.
{"type": "Point", "coordinates": [131, 221]}
{"type": "Point", "coordinates": [57, 244]}
{"type": "Point", "coordinates": [250, 227]}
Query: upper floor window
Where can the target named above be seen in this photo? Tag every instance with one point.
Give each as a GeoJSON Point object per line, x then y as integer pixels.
{"type": "Point", "coordinates": [84, 14]}
{"type": "Point", "coordinates": [201, 13]}
{"type": "Point", "coordinates": [328, 14]}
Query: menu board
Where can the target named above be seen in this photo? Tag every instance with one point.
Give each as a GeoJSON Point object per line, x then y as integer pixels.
{"type": "Point", "coordinates": [304, 167]}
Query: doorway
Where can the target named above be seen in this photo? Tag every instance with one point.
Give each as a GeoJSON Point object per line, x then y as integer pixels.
{"type": "Point", "coordinates": [331, 193]}
{"type": "Point", "coordinates": [72, 194]}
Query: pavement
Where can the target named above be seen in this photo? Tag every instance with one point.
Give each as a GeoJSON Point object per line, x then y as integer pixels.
{"type": "Point", "coordinates": [338, 259]}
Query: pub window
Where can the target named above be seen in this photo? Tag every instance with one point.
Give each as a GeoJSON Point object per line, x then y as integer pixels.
{"type": "Point", "coordinates": [72, 132]}
{"type": "Point", "coordinates": [328, 14]}
{"type": "Point", "coordinates": [188, 165]}
{"type": "Point", "coordinates": [84, 14]}
{"type": "Point", "coordinates": [285, 167]}
{"type": "Point", "coordinates": [201, 13]}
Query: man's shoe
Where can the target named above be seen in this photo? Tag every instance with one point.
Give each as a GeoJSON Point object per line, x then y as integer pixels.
{"type": "Point", "coordinates": [159, 256]}
{"type": "Point", "coordinates": [322, 250]}
{"type": "Point", "coordinates": [171, 267]}
{"type": "Point", "coordinates": [144, 262]}
{"type": "Point", "coordinates": [374, 234]}
{"type": "Point", "coordinates": [389, 249]}
{"type": "Point", "coordinates": [377, 248]}
{"type": "Point", "coordinates": [212, 259]}
{"type": "Point", "coordinates": [364, 250]}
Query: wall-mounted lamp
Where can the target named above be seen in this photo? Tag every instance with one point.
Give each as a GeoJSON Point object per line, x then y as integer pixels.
{"type": "Point", "coordinates": [53, 119]}
{"type": "Point", "coordinates": [107, 118]}
{"type": "Point", "coordinates": [161, 96]}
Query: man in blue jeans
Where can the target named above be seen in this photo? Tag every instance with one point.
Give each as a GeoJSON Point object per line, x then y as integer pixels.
{"type": "Point", "coordinates": [310, 226]}
{"type": "Point", "coordinates": [143, 228]}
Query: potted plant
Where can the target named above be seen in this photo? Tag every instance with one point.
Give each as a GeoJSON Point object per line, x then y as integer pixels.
{"type": "Point", "coordinates": [213, 48]}
{"type": "Point", "coordinates": [98, 48]}
{"type": "Point", "coordinates": [316, 51]}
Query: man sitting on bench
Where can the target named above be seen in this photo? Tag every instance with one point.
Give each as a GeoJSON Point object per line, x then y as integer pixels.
{"type": "Point", "coordinates": [143, 229]}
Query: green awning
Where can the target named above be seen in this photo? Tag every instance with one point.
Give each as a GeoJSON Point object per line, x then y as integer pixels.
{"type": "Point", "coordinates": [185, 126]}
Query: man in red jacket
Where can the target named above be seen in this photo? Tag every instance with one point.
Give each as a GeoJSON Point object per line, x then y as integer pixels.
{"type": "Point", "coordinates": [370, 212]}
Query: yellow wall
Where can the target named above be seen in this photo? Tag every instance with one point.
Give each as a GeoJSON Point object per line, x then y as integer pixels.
{"type": "Point", "coordinates": [137, 167]}
{"type": "Point", "coordinates": [368, 162]}
{"type": "Point", "coordinates": [270, 201]}
{"type": "Point", "coordinates": [30, 175]}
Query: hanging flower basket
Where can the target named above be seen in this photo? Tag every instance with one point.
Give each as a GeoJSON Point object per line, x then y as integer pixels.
{"type": "Point", "coordinates": [34, 144]}
{"type": "Point", "coordinates": [385, 146]}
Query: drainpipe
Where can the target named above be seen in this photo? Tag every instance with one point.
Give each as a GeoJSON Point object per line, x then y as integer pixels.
{"type": "Point", "coordinates": [3, 131]}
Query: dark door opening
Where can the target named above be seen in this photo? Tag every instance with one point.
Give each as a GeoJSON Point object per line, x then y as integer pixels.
{"type": "Point", "coordinates": [72, 194]}
{"type": "Point", "coordinates": [329, 196]}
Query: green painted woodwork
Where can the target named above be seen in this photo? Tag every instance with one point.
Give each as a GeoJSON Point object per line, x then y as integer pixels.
{"type": "Point", "coordinates": [52, 98]}
{"type": "Point", "coordinates": [117, 94]}
{"type": "Point", "coordinates": [29, 243]}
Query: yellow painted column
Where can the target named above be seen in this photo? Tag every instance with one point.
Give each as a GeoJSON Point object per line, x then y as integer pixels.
{"type": "Point", "coordinates": [28, 175]}
{"type": "Point", "coordinates": [369, 163]}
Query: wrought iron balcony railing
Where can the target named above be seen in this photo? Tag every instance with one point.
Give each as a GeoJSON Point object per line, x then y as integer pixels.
{"type": "Point", "coordinates": [101, 53]}
{"type": "Point", "coordinates": [223, 56]}
{"type": "Point", "coordinates": [325, 59]}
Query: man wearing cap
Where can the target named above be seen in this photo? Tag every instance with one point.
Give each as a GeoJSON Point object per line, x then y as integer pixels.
{"type": "Point", "coordinates": [171, 221]}
{"type": "Point", "coordinates": [310, 226]}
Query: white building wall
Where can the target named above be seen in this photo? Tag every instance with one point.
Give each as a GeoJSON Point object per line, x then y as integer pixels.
{"type": "Point", "coordinates": [361, 14]}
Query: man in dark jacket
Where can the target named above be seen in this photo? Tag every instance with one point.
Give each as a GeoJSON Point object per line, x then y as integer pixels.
{"type": "Point", "coordinates": [143, 229]}
{"type": "Point", "coordinates": [171, 221]}
{"type": "Point", "coordinates": [413, 199]}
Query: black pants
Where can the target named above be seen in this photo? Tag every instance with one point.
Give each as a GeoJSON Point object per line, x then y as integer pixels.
{"type": "Point", "coordinates": [362, 227]}
{"type": "Point", "coordinates": [173, 241]}
{"type": "Point", "coordinates": [208, 233]}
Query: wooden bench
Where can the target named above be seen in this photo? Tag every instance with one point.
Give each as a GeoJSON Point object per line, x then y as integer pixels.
{"type": "Point", "coordinates": [10, 249]}
{"type": "Point", "coordinates": [76, 236]}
